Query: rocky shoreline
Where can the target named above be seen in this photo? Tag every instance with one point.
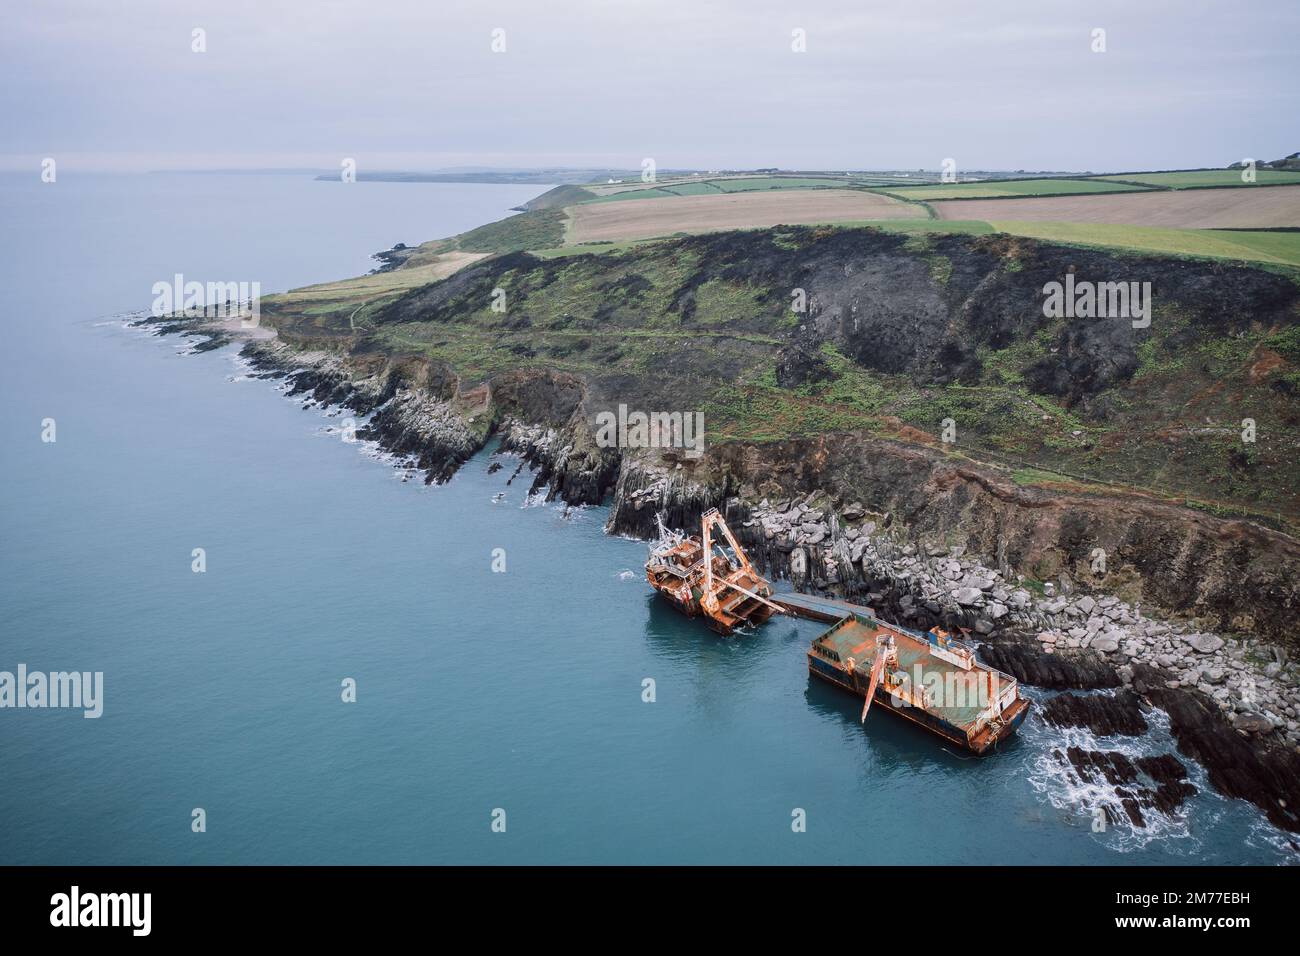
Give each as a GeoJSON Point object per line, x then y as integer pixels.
{"type": "Point", "coordinates": [1233, 700]}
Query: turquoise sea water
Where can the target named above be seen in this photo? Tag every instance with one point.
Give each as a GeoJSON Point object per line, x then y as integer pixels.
{"type": "Point", "coordinates": [476, 690]}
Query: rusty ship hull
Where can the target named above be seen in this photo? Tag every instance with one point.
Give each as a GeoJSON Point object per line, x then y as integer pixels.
{"type": "Point", "coordinates": [726, 591]}
{"type": "Point", "coordinates": [927, 678]}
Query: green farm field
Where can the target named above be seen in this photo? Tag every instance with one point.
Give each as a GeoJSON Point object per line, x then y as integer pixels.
{"type": "Point", "coordinates": [1001, 189]}
{"type": "Point", "coordinates": [1275, 247]}
{"type": "Point", "coordinates": [1204, 178]}
{"type": "Point", "coordinates": [712, 186]}
{"type": "Point", "coordinates": [1269, 247]}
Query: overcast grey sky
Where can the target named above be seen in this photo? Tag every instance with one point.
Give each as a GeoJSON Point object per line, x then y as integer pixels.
{"type": "Point", "coordinates": [409, 84]}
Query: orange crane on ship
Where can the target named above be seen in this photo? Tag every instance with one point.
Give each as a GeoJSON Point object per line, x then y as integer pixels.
{"type": "Point", "coordinates": [726, 590]}
{"type": "Point", "coordinates": [886, 654]}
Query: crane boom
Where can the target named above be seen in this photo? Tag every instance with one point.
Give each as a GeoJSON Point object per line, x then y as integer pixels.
{"type": "Point", "coordinates": [886, 650]}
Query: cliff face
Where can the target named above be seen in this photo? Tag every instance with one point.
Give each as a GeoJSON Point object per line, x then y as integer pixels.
{"type": "Point", "coordinates": [1231, 573]}
{"type": "Point", "coordinates": [1234, 574]}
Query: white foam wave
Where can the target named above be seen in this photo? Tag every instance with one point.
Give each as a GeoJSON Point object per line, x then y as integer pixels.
{"type": "Point", "coordinates": [1060, 785]}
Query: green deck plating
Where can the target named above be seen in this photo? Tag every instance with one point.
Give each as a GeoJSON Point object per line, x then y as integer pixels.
{"type": "Point", "coordinates": [929, 678]}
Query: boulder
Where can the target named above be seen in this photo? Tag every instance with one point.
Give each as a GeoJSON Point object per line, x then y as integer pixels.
{"type": "Point", "coordinates": [1205, 643]}
{"type": "Point", "coordinates": [1105, 643]}
{"type": "Point", "coordinates": [1252, 723]}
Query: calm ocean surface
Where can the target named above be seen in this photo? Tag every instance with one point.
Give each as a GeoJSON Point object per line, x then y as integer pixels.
{"type": "Point", "coordinates": [476, 690]}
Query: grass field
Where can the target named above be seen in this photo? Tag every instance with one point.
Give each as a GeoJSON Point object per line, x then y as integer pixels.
{"type": "Point", "coordinates": [1281, 248]}
{"type": "Point", "coordinates": [1007, 188]}
{"type": "Point", "coordinates": [1276, 248]}
{"type": "Point", "coordinates": [1201, 178]}
{"type": "Point", "coordinates": [649, 192]}
{"type": "Point", "coordinates": [1264, 207]}
{"type": "Point", "coordinates": [779, 182]}
{"type": "Point", "coordinates": [705, 188]}
{"type": "Point", "coordinates": [717, 186]}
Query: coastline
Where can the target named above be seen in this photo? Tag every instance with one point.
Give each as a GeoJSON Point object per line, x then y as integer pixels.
{"type": "Point", "coordinates": [1231, 701]}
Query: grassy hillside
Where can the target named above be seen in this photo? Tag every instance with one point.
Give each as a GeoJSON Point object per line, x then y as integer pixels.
{"type": "Point", "coordinates": [559, 197]}
{"type": "Point", "coordinates": [904, 331]}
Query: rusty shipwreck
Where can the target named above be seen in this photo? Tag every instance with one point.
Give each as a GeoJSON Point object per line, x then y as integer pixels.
{"type": "Point", "coordinates": [698, 578]}
{"type": "Point", "coordinates": [929, 678]}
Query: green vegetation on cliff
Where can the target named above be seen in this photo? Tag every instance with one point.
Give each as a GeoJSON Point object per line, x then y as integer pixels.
{"type": "Point", "coordinates": [902, 331]}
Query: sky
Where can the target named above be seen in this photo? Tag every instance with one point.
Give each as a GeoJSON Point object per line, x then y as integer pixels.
{"type": "Point", "coordinates": [416, 84]}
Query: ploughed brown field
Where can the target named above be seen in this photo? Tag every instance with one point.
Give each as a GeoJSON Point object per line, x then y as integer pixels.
{"type": "Point", "coordinates": [1238, 207]}
{"type": "Point", "coordinates": [644, 218]}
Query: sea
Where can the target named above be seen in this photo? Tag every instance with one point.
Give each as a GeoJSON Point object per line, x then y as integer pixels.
{"type": "Point", "coordinates": [309, 657]}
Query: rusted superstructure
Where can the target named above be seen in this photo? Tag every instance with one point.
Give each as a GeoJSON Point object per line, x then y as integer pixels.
{"type": "Point", "coordinates": [699, 578]}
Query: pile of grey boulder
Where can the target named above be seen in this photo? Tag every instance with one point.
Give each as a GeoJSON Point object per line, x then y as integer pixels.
{"type": "Point", "coordinates": [1254, 684]}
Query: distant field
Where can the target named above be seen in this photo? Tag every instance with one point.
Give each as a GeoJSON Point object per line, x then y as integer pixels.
{"type": "Point", "coordinates": [1013, 187]}
{"type": "Point", "coordinates": [704, 187]}
{"type": "Point", "coordinates": [742, 210]}
{"type": "Point", "coordinates": [611, 189]}
{"type": "Point", "coordinates": [1274, 247]}
{"type": "Point", "coordinates": [649, 192]}
{"type": "Point", "coordinates": [1206, 177]}
{"type": "Point", "coordinates": [1263, 207]}
{"type": "Point", "coordinates": [779, 182]}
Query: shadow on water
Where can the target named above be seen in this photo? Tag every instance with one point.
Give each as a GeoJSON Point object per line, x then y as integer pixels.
{"type": "Point", "coordinates": [678, 637]}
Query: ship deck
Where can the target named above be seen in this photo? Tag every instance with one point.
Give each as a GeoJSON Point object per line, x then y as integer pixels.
{"type": "Point", "coordinates": [854, 632]}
